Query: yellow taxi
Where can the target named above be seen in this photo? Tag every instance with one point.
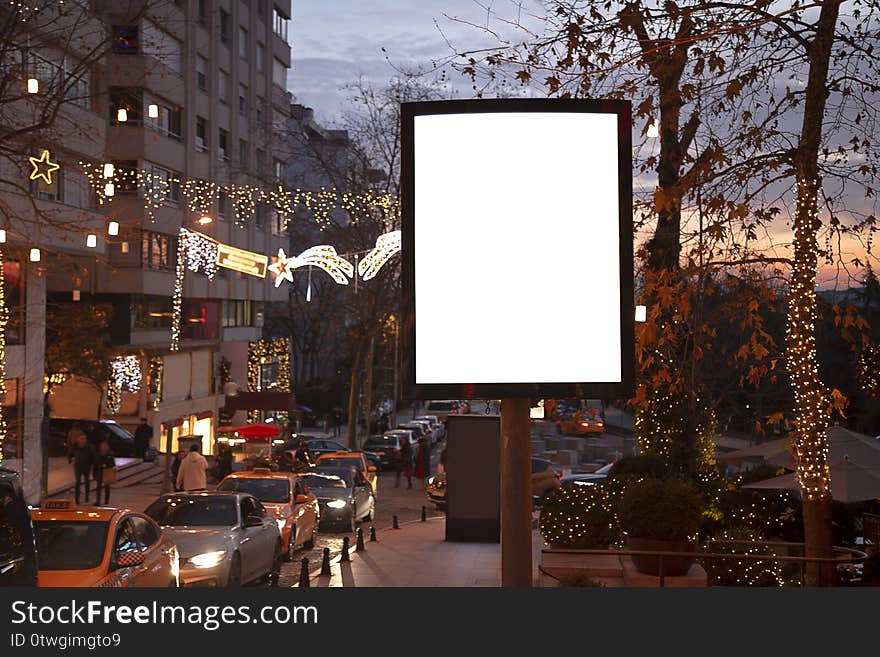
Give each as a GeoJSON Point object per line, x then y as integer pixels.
{"type": "Point", "coordinates": [282, 493]}
{"type": "Point", "coordinates": [85, 546]}
{"type": "Point", "coordinates": [352, 459]}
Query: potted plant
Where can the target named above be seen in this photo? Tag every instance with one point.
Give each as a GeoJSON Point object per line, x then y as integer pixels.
{"type": "Point", "coordinates": [663, 516]}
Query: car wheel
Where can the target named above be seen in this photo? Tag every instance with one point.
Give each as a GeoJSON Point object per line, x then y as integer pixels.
{"type": "Point", "coordinates": [273, 577]}
{"type": "Point", "coordinates": [291, 541]}
{"type": "Point", "coordinates": [233, 580]}
{"type": "Point", "coordinates": [309, 544]}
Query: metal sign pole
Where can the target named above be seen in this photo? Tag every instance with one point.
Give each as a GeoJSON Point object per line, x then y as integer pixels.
{"type": "Point", "coordinates": [516, 494]}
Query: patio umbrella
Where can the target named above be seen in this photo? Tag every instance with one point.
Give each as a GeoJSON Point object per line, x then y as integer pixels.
{"type": "Point", "coordinates": [849, 483]}
{"type": "Point", "coordinates": [775, 452]}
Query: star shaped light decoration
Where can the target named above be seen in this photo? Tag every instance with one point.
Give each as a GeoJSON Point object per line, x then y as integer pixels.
{"type": "Point", "coordinates": [283, 268]}
{"type": "Point", "coordinates": [386, 246]}
{"type": "Point", "coordinates": [43, 167]}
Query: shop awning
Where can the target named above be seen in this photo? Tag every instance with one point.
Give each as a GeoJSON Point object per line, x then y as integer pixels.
{"type": "Point", "coordinates": [261, 401]}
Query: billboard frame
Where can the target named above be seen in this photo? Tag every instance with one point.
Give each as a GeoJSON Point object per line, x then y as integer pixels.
{"type": "Point", "coordinates": [622, 389]}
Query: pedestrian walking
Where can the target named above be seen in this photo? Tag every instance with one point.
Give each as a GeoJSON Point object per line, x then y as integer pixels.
{"type": "Point", "coordinates": [192, 474]}
{"type": "Point", "coordinates": [142, 437]}
{"type": "Point", "coordinates": [404, 464]}
{"type": "Point", "coordinates": [423, 462]}
{"type": "Point", "coordinates": [175, 467]}
{"type": "Point", "coordinates": [81, 454]}
{"type": "Point", "coordinates": [105, 472]}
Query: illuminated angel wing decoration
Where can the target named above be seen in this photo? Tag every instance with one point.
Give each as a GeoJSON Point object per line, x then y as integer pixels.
{"type": "Point", "coordinates": [386, 246]}
{"type": "Point", "coordinates": [325, 257]}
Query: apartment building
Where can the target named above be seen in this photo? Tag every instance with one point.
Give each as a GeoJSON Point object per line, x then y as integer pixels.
{"type": "Point", "coordinates": [192, 96]}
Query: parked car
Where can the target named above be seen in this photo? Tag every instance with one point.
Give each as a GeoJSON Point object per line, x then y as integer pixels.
{"type": "Point", "coordinates": [588, 478]}
{"type": "Point", "coordinates": [318, 446]}
{"type": "Point", "coordinates": [18, 556]}
{"type": "Point", "coordinates": [404, 433]}
{"type": "Point", "coordinates": [98, 546]}
{"type": "Point", "coordinates": [120, 440]}
{"type": "Point", "coordinates": [344, 494]}
{"type": "Point", "coordinates": [418, 429]}
{"type": "Point", "coordinates": [283, 495]}
{"type": "Point", "coordinates": [224, 539]}
{"type": "Point", "coordinates": [436, 426]}
{"type": "Point", "coordinates": [544, 479]}
{"type": "Point", "coordinates": [442, 408]}
{"type": "Point", "coordinates": [355, 459]}
{"type": "Point", "coordinates": [386, 447]}
{"type": "Point", "coordinates": [430, 434]}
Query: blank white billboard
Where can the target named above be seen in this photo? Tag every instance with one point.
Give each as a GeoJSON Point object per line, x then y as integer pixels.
{"type": "Point", "coordinates": [516, 239]}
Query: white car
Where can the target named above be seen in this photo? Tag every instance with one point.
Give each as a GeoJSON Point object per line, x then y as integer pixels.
{"type": "Point", "coordinates": [224, 539]}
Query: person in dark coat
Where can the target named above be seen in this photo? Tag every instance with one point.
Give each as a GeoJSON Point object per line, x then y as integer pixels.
{"type": "Point", "coordinates": [423, 462]}
{"type": "Point", "coordinates": [175, 467]}
{"type": "Point", "coordinates": [224, 463]}
{"type": "Point", "coordinates": [302, 460]}
{"type": "Point", "coordinates": [404, 464]}
{"type": "Point", "coordinates": [142, 437]}
{"type": "Point", "coordinates": [82, 455]}
{"type": "Point", "coordinates": [103, 459]}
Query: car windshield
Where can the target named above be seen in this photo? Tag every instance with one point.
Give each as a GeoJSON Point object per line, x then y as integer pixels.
{"type": "Point", "coordinates": [70, 545]}
{"type": "Point", "coordinates": [265, 490]}
{"type": "Point", "coordinates": [417, 429]}
{"type": "Point", "coordinates": [183, 511]}
{"type": "Point", "coordinates": [340, 462]}
{"type": "Point", "coordinates": [322, 481]}
{"type": "Point", "coordinates": [117, 430]}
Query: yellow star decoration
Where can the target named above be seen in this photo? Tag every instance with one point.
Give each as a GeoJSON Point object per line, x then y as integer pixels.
{"type": "Point", "coordinates": [282, 268]}
{"type": "Point", "coordinates": [43, 167]}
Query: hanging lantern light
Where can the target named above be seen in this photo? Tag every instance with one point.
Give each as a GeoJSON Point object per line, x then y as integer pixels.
{"type": "Point", "coordinates": [109, 189]}
{"type": "Point", "coordinates": [122, 115]}
{"type": "Point", "coordinates": [91, 240]}
{"type": "Point", "coordinates": [35, 255]}
{"type": "Point", "coordinates": [153, 111]}
{"type": "Point", "coordinates": [33, 86]}
{"type": "Point", "coordinates": [109, 170]}
{"type": "Point", "coordinates": [113, 228]}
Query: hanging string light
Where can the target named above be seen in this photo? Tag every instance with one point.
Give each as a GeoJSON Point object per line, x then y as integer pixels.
{"type": "Point", "coordinates": [125, 376]}
{"type": "Point", "coordinates": [177, 296]}
{"type": "Point", "coordinates": [4, 320]}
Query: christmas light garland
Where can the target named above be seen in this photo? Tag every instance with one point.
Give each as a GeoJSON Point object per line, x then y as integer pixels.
{"type": "Point", "coordinates": [4, 320]}
{"type": "Point", "coordinates": [261, 352]}
{"type": "Point", "coordinates": [386, 246]}
{"type": "Point", "coordinates": [125, 376]}
{"type": "Point", "coordinates": [177, 296]}
{"type": "Point", "coordinates": [200, 252]}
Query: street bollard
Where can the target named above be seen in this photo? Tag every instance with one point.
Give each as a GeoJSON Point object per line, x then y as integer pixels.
{"type": "Point", "coordinates": [394, 524]}
{"type": "Point", "coordinates": [424, 514]}
{"type": "Point", "coordinates": [345, 558]}
{"type": "Point", "coordinates": [304, 574]}
{"type": "Point", "coordinates": [325, 563]}
{"type": "Point", "coordinates": [359, 546]}
{"type": "Point", "coordinates": [373, 538]}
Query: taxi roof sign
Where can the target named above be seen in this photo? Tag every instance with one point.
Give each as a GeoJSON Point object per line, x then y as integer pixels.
{"type": "Point", "coordinates": [58, 505]}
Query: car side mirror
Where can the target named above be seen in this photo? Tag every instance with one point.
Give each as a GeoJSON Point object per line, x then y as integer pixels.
{"type": "Point", "coordinates": [302, 499]}
{"type": "Point", "coordinates": [371, 468]}
{"type": "Point", "coordinates": [130, 558]}
{"type": "Point", "coordinates": [253, 521]}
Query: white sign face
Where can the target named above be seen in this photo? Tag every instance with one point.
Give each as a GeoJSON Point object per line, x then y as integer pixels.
{"type": "Point", "coordinates": [517, 248]}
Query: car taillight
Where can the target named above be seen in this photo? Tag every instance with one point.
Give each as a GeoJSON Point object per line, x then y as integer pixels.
{"type": "Point", "coordinates": [585, 424]}
{"type": "Point", "coordinates": [559, 476]}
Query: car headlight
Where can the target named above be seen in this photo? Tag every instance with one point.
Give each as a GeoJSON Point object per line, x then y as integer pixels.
{"type": "Point", "coordinates": [281, 522]}
{"type": "Point", "coordinates": [207, 559]}
{"type": "Point", "coordinates": [431, 480]}
{"type": "Point", "coordinates": [336, 504]}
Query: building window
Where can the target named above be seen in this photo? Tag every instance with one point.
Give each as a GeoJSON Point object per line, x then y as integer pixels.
{"type": "Point", "coordinates": [202, 11]}
{"type": "Point", "coordinates": [279, 23]}
{"type": "Point", "coordinates": [242, 99]}
{"type": "Point", "coordinates": [131, 99]}
{"type": "Point", "coordinates": [200, 320]}
{"type": "Point", "coordinates": [260, 216]}
{"type": "Point", "coordinates": [126, 39]}
{"type": "Point", "coordinates": [202, 73]}
{"type": "Point", "coordinates": [222, 204]}
{"type": "Point", "coordinates": [240, 312]}
{"type": "Point", "coordinates": [243, 153]}
{"type": "Point", "coordinates": [276, 221]}
{"type": "Point", "coordinates": [151, 312]}
{"type": "Point", "coordinates": [242, 42]}
{"type": "Point", "coordinates": [261, 57]}
{"type": "Point", "coordinates": [159, 180]}
{"type": "Point", "coordinates": [164, 47]}
{"type": "Point", "coordinates": [156, 249]}
{"type": "Point", "coordinates": [261, 8]}
{"type": "Point", "coordinates": [126, 176]}
{"type": "Point", "coordinates": [223, 90]}
{"type": "Point", "coordinates": [201, 134]}
{"type": "Point", "coordinates": [223, 144]}
{"type": "Point", "coordinates": [47, 192]}
{"type": "Point", "coordinates": [279, 73]}
{"type": "Point", "coordinates": [278, 169]}
{"type": "Point", "coordinates": [260, 103]}
{"type": "Point", "coordinates": [169, 122]}
{"type": "Point", "coordinates": [261, 159]}
{"type": "Point", "coordinates": [224, 26]}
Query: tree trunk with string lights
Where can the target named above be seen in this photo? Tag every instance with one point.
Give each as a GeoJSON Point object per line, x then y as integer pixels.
{"type": "Point", "coordinates": [810, 398]}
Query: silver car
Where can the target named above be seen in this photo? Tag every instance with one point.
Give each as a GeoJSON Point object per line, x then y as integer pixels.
{"type": "Point", "coordinates": [224, 539]}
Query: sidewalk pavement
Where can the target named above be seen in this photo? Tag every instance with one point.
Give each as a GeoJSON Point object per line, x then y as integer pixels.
{"type": "Point", "coordinates": [417, 555]}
